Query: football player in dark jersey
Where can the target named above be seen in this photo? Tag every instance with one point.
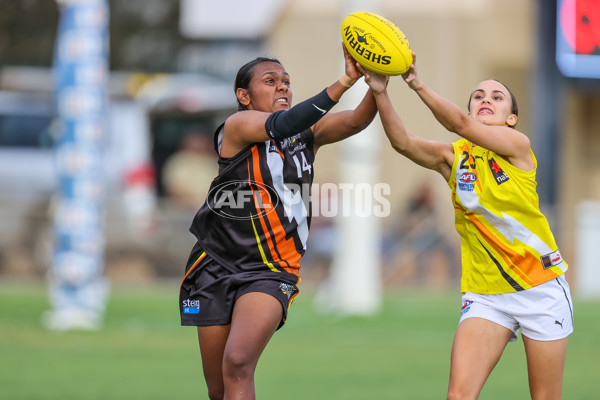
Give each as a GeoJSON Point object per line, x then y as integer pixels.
{"type": "Point", "coordinates": [243, 272]}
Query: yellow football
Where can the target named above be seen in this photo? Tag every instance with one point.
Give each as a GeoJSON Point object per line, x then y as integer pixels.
{"type": "Point", "coordinates": [376, 43]}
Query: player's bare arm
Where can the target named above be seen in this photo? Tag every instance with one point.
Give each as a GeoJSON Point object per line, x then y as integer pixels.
{"type": "Point", "coordinates": [496, 135]}
{"type": "Point", "coordinates": [270, 92]}
{"type": "Point", "coordinates": [427, 153]}
{"type": "Point", "coordinates": [503, 140]}
{"type": "Point", "coordinates": [341, 125]}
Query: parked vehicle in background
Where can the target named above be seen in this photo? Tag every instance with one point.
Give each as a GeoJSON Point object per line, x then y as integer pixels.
{"type": "Point", "coordinates": [146, 231]}
{"type": "Point", "coordinates": [28, 179]}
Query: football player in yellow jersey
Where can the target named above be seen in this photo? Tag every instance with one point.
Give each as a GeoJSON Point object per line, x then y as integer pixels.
{"type": "Point", "coordinates": [512, 270]}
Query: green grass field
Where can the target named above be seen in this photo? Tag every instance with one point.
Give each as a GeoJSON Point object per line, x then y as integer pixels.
{"type": "Point", "coordinates": [143, 353]}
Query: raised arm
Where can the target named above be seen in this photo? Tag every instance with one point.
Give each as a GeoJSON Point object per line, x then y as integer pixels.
{"type": "Point", "coordinates": [427, 153]}
{"type": "Point", "coordinates": [500, 138]}
{"type": "Point", "coordinates": [340, 125]}
{"type": "Point", "coordinates": [268, 114]}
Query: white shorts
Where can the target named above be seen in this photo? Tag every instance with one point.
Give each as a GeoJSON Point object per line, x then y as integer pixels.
{"type": "Point", "coordinates": [544, 312]}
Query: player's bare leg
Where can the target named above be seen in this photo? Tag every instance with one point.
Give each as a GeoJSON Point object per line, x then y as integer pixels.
{"type": "Point", "coordinates": [478, 345]}
{"type": "Point", "coordinates": [545, 367]}
{"type": "Point", "coordinates": [256, 317]}
{"type": "Point", "coordinates": [212, 340]}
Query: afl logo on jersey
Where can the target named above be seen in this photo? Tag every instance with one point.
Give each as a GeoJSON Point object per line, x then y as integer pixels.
{"type": "Point", "coordinates": [242, 200]}
{"type": "Point", "coordinates": [466, 181]}
{"type": "Point", "coordinates": [467, 177]}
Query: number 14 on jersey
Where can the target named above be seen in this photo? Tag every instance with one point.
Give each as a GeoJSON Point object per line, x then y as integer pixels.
{"type": "Point", "coordinates": [305, 166]}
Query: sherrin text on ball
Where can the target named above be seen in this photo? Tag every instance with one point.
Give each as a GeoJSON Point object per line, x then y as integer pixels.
{"type": "Point", "coordinates": [376, 43]}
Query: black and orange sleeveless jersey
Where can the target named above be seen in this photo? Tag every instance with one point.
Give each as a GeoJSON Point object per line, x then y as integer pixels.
{"type": "Point", "coordinates": [257, 213]}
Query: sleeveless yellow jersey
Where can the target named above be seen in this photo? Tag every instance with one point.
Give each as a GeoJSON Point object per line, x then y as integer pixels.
{"type": "Point", "coordinates": [506, 242]}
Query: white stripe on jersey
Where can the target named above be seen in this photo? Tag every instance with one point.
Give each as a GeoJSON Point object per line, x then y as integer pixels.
{"type": "Point", "coordinates": [506, 225]}
{"type": "Point", "coordinates": [293, 205]}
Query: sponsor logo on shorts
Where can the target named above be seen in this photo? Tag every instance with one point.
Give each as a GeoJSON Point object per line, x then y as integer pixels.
{"type": "Point", "coordinates": [559, 323]}
{"type": "Point", "coordinates": [288, 290]}
{"type": "Point", "coordinates": [465, 307]}
{"type": "Point", "coordinates": [191, 306]}
{"type": "Point", "coordinates": [551, 260]}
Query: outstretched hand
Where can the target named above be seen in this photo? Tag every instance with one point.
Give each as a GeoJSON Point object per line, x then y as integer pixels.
{"type": "Point", "coordinates": [351, 64]}
{"type": "Point", "coordinates": [410, 76]}
{"type": "Point", "coordinates": [376, 82]}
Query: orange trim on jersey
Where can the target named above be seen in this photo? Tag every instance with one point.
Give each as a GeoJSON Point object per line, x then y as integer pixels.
{"type": "Point", "coordinates": [457, 205]}
{"type": "Point", "coordinates": [286, 246]}
{"type": "Point", "coordinates": [293, 297]}
{"type": "Point", "coordinates": [477, 181]}
{"type": "Point", "coordinates": [280, 153]}
{"type": "Point", "coordinates": [194, 266]}
{"type": "Point", "coordinates": [260, 247]}
{"type": "Point", "coordinates": [514, 260]}
{"type": "Point", "coordinates": [465, 148]}
{"type": "Point", "coordinates": [276, 148]}
{"type": "Point", "coordinates": [269, 240]}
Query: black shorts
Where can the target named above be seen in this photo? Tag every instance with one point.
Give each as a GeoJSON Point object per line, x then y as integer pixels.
{"type": "Point", "coordinates": [209, 291]}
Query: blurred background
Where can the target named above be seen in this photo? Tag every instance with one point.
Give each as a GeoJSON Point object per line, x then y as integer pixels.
{"type": "Point", "coordinates": [170, 67]}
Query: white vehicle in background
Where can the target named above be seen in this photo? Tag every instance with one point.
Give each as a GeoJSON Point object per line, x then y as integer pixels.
{"type": "Point", "coordinates": [28, 180]}
{"type": "Point", "coordinates": [146, 234]}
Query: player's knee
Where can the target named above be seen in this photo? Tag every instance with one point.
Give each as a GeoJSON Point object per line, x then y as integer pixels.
{"type": "Point", "coordinates": [452, 396]}
{"type": "Point", "coordinates": [457, 394]}
{"type": "Point", "coordinates": [239, 364]}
